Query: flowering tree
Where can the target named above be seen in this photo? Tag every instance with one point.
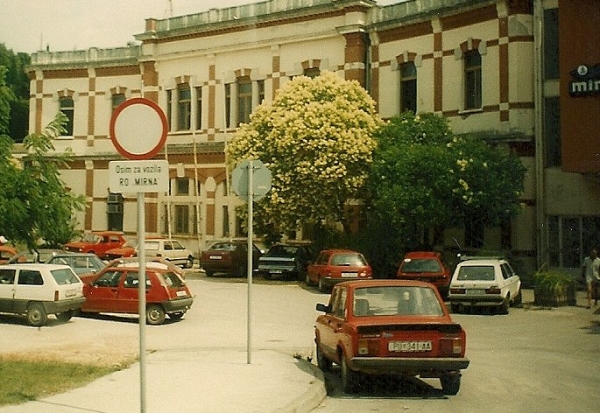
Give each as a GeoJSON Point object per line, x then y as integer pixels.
{"type": "Point", "coordinates": [316, 139]}
{"type": "Point", "coordinates": [424, 176]}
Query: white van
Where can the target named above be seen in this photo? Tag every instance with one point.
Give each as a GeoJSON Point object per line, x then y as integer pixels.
{"type": "Point", "coordinates": [36, 290]}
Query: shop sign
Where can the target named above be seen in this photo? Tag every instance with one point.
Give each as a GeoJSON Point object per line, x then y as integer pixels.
{"type": "Point", "coordinates": [586, 81]}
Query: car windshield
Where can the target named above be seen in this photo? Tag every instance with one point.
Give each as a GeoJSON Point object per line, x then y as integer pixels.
{"type": "Point", "coordinates": [64, 277]}
{"type": "Point", "coordinates": [350, 260]}
{"type": "Point", "coordinates": [394, 301]}
{"type": "Point", "coordinates": [476, 273]}
{"type": "Point", "coordinates": [282, 251]}
{"type": "Point", "coordinates": [417, 265]}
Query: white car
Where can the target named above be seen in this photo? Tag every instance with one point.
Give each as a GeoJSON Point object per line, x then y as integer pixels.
{"type": "Point", "coordinates": [36, 290]}
{"type": "Point", "coordinates": [484, 282]}
{"type": "Point", "coordinates": [169, 249]}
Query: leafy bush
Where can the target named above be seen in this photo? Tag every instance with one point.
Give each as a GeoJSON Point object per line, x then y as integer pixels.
{"type": "Point", "coordinates": [553, 288]}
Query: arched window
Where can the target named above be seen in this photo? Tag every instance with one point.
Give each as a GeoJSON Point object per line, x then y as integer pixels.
{"type": "Point", "coordinates": [472, 79]}
{"type": "Point", "coordinates": [67, 106]}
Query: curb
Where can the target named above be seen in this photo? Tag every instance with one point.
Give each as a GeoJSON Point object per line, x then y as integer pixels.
{"type": "Point", "coordinates": [311, 398]}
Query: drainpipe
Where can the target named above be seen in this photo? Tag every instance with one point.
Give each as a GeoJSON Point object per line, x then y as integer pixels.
{"type": "Point", "coordinates": [541, 230]}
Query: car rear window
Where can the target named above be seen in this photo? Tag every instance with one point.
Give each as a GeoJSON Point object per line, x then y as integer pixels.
{"type": "Point", "coordinates": [153, 246]}
{"type": "Point", "coordinates": [223, 247]}
{"type": "Point", "coordinates": [351, 260]}
{"type": "Point", "coordinates": [64, 277]}
{"type": "Point", "coordinates": [476, 273]}
{"type": "Point", "coordinates": [394, 301]}
{"type": "Point", "coordinates": [282, 251]}
{"type": "Point", "coordinates": [421, 265]}
{"type": "Point", "coordinates": [172, 280]}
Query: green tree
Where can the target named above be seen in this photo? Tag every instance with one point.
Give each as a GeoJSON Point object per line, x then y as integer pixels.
{"type": "Point", "coordinates": [423, 176]}
{"type": "Point", "coordinates": [18, 83]}
{"type": "Point", "coordinates": [34, 203]}
{"type": "Point", "coordinates": [316, 139]}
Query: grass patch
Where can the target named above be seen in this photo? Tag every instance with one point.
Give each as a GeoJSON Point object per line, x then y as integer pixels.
{"type": "Point", "coordinates": [23, 380]}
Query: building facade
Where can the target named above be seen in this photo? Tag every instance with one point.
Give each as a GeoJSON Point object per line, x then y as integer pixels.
{"type": "Point", "coordinates": [493, 67]}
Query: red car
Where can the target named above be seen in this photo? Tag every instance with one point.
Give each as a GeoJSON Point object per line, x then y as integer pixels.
{"type": "Point", "coordinates": [425, 266]}
{"type": "Point", "coordinates": [97, 243]}
{"type": "Point", "coordinates": [127, 250]}
{"type": "Point", "coordinates": [390, 327]}
{"type": "Point", "coordinates": [337, 265]}
{"type": "Point", "coordinates": [229, 257]}
{"type": "Point", "coordinates": [115, 290]}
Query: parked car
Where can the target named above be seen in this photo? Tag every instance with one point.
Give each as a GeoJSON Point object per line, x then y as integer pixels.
{"type": "Point", "coordinates": [229, 257]}
{"type": "Point", "coordinates": [336, 265]}
{"type": "Point", "coordinates": [115, 290]}
{"type": "Point", "coordinates": [169, 249]}
{"type": "Point", "coordinates": [125, 251]}
{"type": "Point", "coordinates": [287, 261]}
{"type": "Point", "coordinates": [80, 262]}
{"type": "Point", "coordinates": [7, 253]}
{"type": "Point", "coordinates": [97, 243]}
{"type": "Point", "coordinates": [484, 282]}
{"type": "Point", "coordinates": [390, 327]}
{"type": "Point", "coordinates": [425, 266]}
{"type": "Point", "coordinates": [37, 290]}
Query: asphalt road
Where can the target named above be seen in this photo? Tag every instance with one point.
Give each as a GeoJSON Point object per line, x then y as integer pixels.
{"type": "Point", "coordinates": [532, 360]}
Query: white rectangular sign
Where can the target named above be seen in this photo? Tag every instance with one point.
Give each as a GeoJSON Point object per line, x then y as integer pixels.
{"type": "Point", "coordinates": [138, 176]}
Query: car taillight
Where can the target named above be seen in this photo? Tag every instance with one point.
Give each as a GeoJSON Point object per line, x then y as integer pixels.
{"type": "Point", "coordinates": [493, 290]}
{"type": "Point", "coordinates": [451, 346]}
{"type": "Point", "coordinates": [368, 346]}
{"type": "Point", "coordinates": [56, 295]}
{"type": "Point", "coordinates": [458, 291]}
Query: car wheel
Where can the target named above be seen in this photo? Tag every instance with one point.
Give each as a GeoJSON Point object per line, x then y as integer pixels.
{"type": "Point", "coordinates": [322, 286]}
{"type": "Point", "coordinates": [323, 362]}
{"type": "Point", "coordinates": [36, 315]}
{"type": "Point", "coordinates": [155, 315]}
{"type": "Point", "coordinates": [64, 317]}
{"type": "Point", "coordinates": [505, 305]}
{"type": "Point", "coordinates": [267, 275]}
{"type": "Point", "coordinates": [518, 299]}
{"type": "Point", "coordinates": [210, 273]}
{"type": "Point", "coordinates": [176, 316]}
{"type": "Point", "coordinates": [189, 262]}
{"type": "Point", "coordinates": [350, 378]}
{"type": "Point", "coordinates": [450, 384]}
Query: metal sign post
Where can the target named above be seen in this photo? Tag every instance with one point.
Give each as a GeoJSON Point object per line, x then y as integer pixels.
{"type": "Point", "coordinates": [138, 130]}
{"type": "Point", "coordinates": [251, 180]}
{"type": "Point", "coordinates": [250, 260]}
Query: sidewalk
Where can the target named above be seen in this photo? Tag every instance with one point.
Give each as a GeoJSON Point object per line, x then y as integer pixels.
{"type": "Point", "coordinates": [207, 381]}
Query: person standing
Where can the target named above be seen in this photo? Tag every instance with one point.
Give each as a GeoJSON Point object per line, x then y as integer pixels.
{"type": "Point", "coordinates": [591, 272]}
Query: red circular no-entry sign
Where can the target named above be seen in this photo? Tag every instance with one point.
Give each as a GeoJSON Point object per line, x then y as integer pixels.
{"type": "Point", "coordinates": [138, 128]}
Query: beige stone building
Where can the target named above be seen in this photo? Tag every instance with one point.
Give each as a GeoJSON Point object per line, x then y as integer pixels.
{"type": "Point", "coordinates": [478, 62]}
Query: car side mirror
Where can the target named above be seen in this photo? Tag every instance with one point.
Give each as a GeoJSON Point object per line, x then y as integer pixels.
{"type": "Point", "coordinates": [324, 308]}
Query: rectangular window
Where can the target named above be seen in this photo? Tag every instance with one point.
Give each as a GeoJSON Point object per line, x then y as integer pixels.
{"type": "Point", "coordinates": [408, 87]}
{"type": "Point", "coordinates": [169, 111]}
{"type": "Point", "coordinates": [67, 106]}
{"type": "Point", "coordinates": [261, 91]}
{"type": "Point", "coordinates": [472, 62]}
{"type": "Point", "coordinates": [198, 108]}
{"type": "Point", "coordinates": [552, 132]}
{"type": "Point", "coordinates": [244, 100]}
{"type": "Point", "coordinates": [181, 219]}
{"type": "Point", "coordinates": [225, 221]}
{"type": "Point", "coordinates": [227, 105]}
{"type": "Point", "coordinates": [116, 100]}
{"type": "Point", "coordinates": [184, 107]}
{"type": "Point", "coordinates": [551, 55]}
{"type": "Point", "coordinates": [183, 186]}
